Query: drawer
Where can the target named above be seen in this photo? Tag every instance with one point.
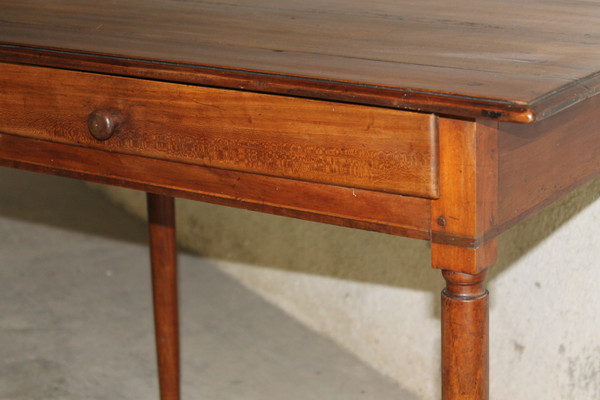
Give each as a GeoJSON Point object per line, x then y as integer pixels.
{"type": "Point", "coordinates": [310, 140]}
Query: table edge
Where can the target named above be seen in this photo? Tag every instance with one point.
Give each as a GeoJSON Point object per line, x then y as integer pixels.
{"type": "Point", "coordinates": [403, 98]}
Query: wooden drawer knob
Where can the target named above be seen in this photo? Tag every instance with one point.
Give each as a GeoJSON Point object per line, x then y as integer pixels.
{"type": "Point", "coordinates": [102, 123]}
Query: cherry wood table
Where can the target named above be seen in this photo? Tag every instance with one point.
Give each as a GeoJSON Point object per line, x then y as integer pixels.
{"type": "Point", "coordinates": [443, 121]}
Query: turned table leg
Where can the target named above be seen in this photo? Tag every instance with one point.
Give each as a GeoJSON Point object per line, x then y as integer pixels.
{"type": "Point", "coordinates": [163, 255]}
{"type": "Point", "coordinates": [465, 341]}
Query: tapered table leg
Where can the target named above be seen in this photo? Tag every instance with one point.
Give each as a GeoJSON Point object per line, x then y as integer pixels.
{"type": "Point", "coordinates": [163, 254]}
{"type": "Point", "coordinates": [465, 340]}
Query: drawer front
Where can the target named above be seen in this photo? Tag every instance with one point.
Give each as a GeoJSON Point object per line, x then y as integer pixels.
{"type": "Point", "coordinates": [310, 140]}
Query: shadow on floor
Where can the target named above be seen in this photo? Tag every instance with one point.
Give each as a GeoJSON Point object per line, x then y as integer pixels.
{"type": "Point", "coordinates": [76, 318]}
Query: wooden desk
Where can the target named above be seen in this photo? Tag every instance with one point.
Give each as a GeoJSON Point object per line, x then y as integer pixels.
{"type": "Point", "coordinates": [447, 122]}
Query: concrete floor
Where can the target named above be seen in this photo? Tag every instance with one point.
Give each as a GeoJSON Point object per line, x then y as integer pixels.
{"type": "Point", "coordinates": [76, 319]}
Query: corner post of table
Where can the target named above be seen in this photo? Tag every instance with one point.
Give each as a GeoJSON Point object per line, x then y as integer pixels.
{"type": "Point", "coordinates": [163, 256]}
{"type": "Point", "coordinates": [463, 246]}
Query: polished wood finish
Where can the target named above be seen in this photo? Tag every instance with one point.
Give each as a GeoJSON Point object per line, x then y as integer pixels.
{"type": "Point", "coordinates": [465, 337]}
{"type": "Point", "coordinates": [163, 257]}
{"type": "Point", "coordinates": [539, 163]}
{"type": "Point", "coordinates": [396, 98]}
{"type": "Point", "coordinates": [355, 208]}
{"type": "Point", "coordinates": [341, 144]}
{"type": "Point", "coordinates": [499, 57]}
{"type": "Point", "coordinates": [102, 123]}
{"type": "Point", "coordinates": [469, 202]}
{"type": "Point", "coordinates": [466, 210]}
{"type": "Point", "coordinates": [393, 116]}
{"type": "Point", "coordinates": [461, 259]}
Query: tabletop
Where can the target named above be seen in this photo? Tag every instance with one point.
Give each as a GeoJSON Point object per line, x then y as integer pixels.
{"type": "Point", "coordinates": [515, 61]}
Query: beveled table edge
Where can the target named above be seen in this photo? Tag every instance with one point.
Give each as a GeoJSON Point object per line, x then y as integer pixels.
{"type": "Point", "coordinates": [404, 98]}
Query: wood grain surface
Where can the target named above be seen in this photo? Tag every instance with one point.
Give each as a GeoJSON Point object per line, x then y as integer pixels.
{"type": "Point", "coordinates": [355, 208]}
{"type": "Point", "coordinates": [515, 61]}
{"type": "Point", "coordinates": [163, 261]}
{"type": "Point", "coordinates": [320, 141]}
{"type": "Point", "coordinates": [465, 337]}
{"type": "Point", "coordinates": [542, 162]}
{"type": "Point", "coordinates": [468, 203]}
